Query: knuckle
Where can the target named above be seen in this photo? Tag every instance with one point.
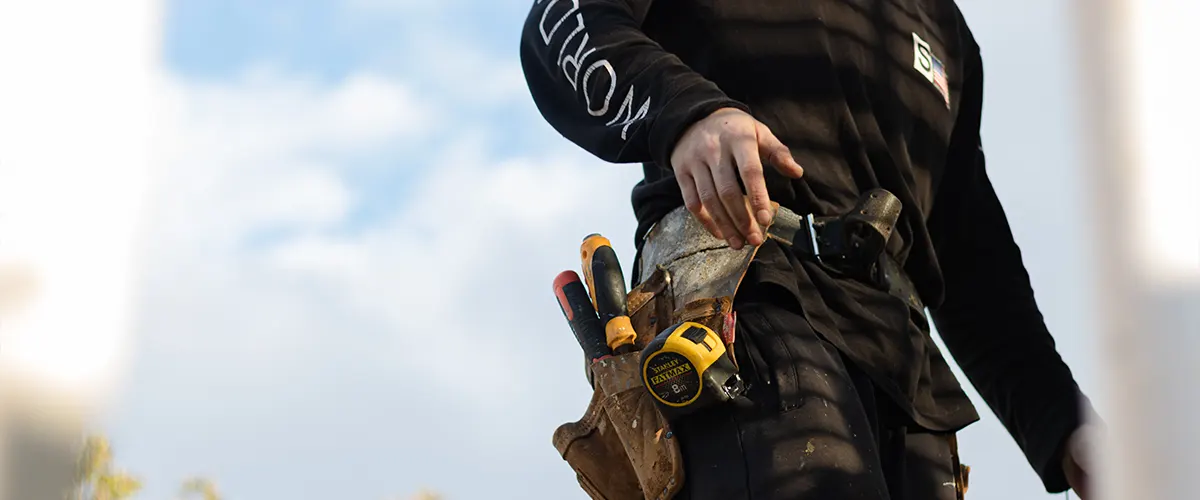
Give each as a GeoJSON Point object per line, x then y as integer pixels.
{"type": "Point", "coordinates": [752, 169]}
{"type": "Point", "coordinates": [678, 162]}
{"type": "Point", "coordinates": [717, 212]}
{"type": "Point", "coordinates": [710, 147]}
{"type": "Point", "coordinates": [730, 190]}
{"type": "Point", "coordinates": [693, 205]}
{"type": "Point", "coordinates": [738, 134]}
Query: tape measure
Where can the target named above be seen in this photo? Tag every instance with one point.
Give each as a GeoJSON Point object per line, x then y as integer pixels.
{"type": "Point", "coordinates": [687, 368]}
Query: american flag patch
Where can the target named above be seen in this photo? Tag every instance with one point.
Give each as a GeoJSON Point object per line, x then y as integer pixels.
{"type": "Point", "coordinates": [939, 80]}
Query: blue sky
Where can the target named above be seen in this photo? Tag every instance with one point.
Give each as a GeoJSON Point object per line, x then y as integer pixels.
{"type": "Point", "coordinates": [328, 41]}
{"type": "Point", "coordinates": [325, 314]}
{"type": "Point", "coordinates": [220, 37]}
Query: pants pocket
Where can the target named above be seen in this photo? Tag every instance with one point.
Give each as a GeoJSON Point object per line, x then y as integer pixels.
{"type": "Point", "coordinates": [785, 350]}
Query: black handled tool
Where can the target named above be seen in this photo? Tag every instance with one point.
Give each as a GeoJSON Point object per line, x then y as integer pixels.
{"type": "Point", "coordinates": [573, 299]}
{"type": "Point", "coordinates": [606, 283]}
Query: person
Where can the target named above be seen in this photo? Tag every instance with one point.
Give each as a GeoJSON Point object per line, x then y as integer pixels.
{"type": "Point", "coordinates": [731, 105]}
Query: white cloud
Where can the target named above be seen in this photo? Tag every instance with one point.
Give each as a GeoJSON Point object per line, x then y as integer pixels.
{"type": "Point", "coordinates": [368, 107]}
{"type": "Point", "coordinates": [311, 196]}
{"type": "Point", "coordinates": [264, 109]}
{"type": "Point", "coordinates": [261, 152]}
{"type": "Point", "coordinates": [443, 44]}
{"type": "Point", "coordinates": [473, 77]}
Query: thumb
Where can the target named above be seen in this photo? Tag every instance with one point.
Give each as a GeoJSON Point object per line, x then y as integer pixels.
{"type": "Point", "coordinates": [777, 154]}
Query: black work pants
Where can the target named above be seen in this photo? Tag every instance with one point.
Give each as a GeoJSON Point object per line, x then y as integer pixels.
{"type": "Point", "coordinates": [811, 426]}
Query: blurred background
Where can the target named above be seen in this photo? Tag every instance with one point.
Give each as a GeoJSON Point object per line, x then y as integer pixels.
{"type": "Point", "coordinates": [329, 277]}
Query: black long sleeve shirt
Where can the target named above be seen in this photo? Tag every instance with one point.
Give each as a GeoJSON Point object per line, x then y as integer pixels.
{"type": "Point", "coordinates": [866, 94]}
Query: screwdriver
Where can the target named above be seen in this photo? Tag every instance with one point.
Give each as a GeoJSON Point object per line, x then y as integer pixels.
{"type": "Point", "coordinates": [606, 284]}
{"type": "Point", "coordinates": [573, 299]}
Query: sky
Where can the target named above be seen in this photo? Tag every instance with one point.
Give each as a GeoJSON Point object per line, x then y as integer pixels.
{"type": "Point", "coordinates": [356, 216]}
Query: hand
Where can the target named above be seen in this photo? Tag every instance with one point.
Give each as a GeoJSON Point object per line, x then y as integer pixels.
{"type": "Point", "coordinates": [1077, 462]}
{"type": "Point", "coordinates": [708, 160]}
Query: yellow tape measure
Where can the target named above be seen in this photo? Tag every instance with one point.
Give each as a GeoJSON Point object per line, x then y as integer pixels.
{"type": "Point", "coordinates": [687, 368]}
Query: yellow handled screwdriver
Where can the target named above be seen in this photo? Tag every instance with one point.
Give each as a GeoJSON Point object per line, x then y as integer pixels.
{"type": "Point", "coordinates": [606, 286]}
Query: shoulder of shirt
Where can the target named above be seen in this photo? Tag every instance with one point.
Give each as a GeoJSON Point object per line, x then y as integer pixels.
{"type": "Point", "coordinates": [966, 36]}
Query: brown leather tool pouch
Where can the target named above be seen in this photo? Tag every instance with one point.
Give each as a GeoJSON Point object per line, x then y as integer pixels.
{"type": "Point", "coordinates": [593, 449]}
{"type": "Point", "coordinates": [623, 447]}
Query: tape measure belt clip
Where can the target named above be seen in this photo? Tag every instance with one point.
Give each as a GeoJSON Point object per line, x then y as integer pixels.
{"type": "Point", "coordinates": [851, 243]}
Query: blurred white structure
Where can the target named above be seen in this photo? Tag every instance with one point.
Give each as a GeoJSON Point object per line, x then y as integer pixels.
{"type": "Point", "coordinates": [1142, 107]}
{"type": "Point", "coordinates": [75, 130]}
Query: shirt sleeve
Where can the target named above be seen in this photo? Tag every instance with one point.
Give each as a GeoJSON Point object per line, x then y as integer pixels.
{"type": "Point", "coordinates": [989, 318]}
{"type": "Point", "coordinates": [606, 86]}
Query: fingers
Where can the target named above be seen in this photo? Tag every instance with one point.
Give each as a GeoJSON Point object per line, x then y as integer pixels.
{"type": "Point", "coordinates": [777, 154]}
{"type": "Point", "coordinates": [751, 170]}
{"type": "Point", "coordinates": [711, 199]}
{"type": "Point", "coordinates": [730, 193]}
{"type": "Point", "coordinates": [719, 156]}
{"type": "Point", "coordinates": [691, 199]}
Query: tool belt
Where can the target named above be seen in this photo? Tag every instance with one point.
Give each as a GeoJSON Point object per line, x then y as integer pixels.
{"type": "Point", "coordinates": [704, 268]}
{"type": "Point", "coordinates": [623, 447]}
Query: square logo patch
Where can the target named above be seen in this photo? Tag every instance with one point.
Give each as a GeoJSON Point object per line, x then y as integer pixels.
{"type": "Point", "coordinates": [928, 65]}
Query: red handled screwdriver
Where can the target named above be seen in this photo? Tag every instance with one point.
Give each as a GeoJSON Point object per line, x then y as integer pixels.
{"type": "Point", "coordinates": [573, 299]}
